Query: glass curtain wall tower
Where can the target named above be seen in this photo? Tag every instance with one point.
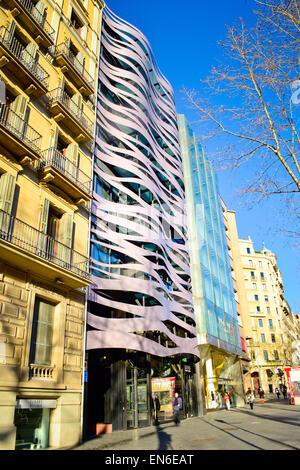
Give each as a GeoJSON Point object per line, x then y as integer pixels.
{"type": "Point", "coordinates": [212, 283]}
{"type": "Point", "coordinates": [140, 324]}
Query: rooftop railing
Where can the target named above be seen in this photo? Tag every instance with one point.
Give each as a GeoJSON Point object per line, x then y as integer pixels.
{"type": "Point", "coordinates": [42, 245]}
{"type": "Point", "coordinates": [20, 52]}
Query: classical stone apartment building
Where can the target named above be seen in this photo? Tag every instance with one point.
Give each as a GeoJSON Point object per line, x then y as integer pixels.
{"type": "Point", "coordinates": [271, 329]}
{"type": "Point", "coordinates": [240, 291]}
{"type": "Point", "coordinates": [49, 52]}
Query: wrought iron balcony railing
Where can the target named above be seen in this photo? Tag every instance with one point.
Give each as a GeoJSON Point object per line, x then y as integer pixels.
{"type": "Point", "coordinates": [62, 97]}
{"type": "Point", "coordinates": [20, 128]}
{"type": "Point", "coordinates": [52, 157]}
{"type": "Point", "coordinates": [19, 51]}
{"type": "Point", "coordinates": [40, 19]}
{"type": "Point", "coordinates": [42, 245]}
{"type": "Point", "coordinates": [65, 50]}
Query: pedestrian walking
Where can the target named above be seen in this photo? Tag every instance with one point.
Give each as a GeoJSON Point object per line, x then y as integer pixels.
{"type": "Point", "coordinates": [261, 396]}
{"type": "Point", "coordinates": [284, 391]}
{"type": "Point", "coordinates": [155, 408]}
{"type": "Point", "coordinates": [227, 400]}
{"type": "Point", "coordinates": [250, 398]}
{"type": "Point", "coordinates": [277, 391]}
{"type": "Point", "coordinates": [177, 405]}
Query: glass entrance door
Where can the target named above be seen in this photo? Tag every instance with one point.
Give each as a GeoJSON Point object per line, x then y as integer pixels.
{"type": "Point", "coordinates": [137, 394]}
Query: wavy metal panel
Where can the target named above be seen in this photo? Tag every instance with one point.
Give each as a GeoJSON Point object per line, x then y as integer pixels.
{"type": "Point", "coordinates": [140, 259]}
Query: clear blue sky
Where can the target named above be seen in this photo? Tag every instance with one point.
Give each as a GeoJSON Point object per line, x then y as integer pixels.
{"type": "Point", "coordinates": [183, 36]}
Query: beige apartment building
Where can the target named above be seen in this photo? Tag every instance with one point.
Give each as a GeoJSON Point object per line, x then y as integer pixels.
{"type": "Point", "coordinates": [240, 291]}
{"type": "Point", "coordinates": [271, 328]}
{"type": "Point", "coordinates": [49, 54]}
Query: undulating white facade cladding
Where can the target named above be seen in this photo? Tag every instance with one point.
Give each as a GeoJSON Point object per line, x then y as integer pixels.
{"type": "Point", "coordinates": [140, 298]}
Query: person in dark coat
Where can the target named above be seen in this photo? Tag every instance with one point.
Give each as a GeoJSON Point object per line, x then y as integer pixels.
{"type": "Point", "coordinates": [177, 405]}
{"type": "Point", "coordinates": [277, 391]}
{"type": "Point", "coordinates": [155, 408]}
{"type": "Point", "coordinates": [284, 391]}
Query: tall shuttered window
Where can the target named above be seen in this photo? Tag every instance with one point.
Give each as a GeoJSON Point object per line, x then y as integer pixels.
{"type": "Point", "coordinates": [7, 190]}
{"type": "Point", "coordinates": [42, 332]}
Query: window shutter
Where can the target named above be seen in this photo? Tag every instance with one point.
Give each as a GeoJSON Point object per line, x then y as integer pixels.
{"type": "Point", "coordinates": [29, 54]}
{"type": "Point", "coordinates": [17, 118]}
{"type": "Point", "coordinates": [7, 191]}
{"type": "Point", "coordinates": [76, 104]}
{"type": "Point", "coordinates": [80, 62]}
{"type": "Point", "coordinates": [72, 160]}
{"type": "Point", "coordinates": [11, 31]}
{"type": "Point", "coordinates": [65, 237]}
{"type": "Point", "coordinates": [39, 13]}
{"type": "Point", "coordinates": [42, 237]}
{"type": "Point", "coordinates": [44, 216]}
{"type": "Point", "coordinates": [66, 229]}
{"type": "Point", "coordinates": [63, 82]}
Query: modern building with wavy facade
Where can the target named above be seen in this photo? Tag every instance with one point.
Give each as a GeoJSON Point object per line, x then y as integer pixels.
{"type": "Point", "coordinates": [141, 335]}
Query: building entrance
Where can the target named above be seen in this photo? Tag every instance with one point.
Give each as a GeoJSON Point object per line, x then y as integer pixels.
{"type": "Point", "coordinates": [137, 398]}
{"type": "Point", "coordinates": [121, 384]}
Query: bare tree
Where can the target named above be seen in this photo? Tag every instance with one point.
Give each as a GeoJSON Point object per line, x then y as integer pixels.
{"type": "Point", "coordinates": [259, 85]}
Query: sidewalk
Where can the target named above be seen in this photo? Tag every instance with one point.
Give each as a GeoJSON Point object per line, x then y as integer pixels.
{"type": "Point", "coordinates": [273, 425]}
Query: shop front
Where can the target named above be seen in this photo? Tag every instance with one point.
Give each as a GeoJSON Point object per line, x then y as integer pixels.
{"type": "Point", "coordinates": [222, 373]}
{"type": "Point", "coordinates": [293, 379]}
{"type": "Point", "coordinates": [121, 386]}
{"type": "Point", "coordinates": [32, 421]}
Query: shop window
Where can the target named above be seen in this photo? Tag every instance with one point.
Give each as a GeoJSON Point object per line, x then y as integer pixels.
{"type": "Point", "coordinates": [32, 428]}
{"type": "Point", "coordinates": [42, 333]}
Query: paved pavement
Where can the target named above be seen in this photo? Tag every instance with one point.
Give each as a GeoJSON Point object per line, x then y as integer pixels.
{"type": "Point", "coordinates": [273, 425]}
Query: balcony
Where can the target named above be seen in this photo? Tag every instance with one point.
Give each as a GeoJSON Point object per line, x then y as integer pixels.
{"type": "Point", "coordinates": [74, 69]}
{"type": "Point", "coordinates": [41, 372]}
{"type": "Point", "coordinates": [32, 250]}
{"type": "Point", "coordinates": [34, 22]}
{"type": "Point", "coordinates": [18, 137]}
{"type": "Point", "coordinates": [16, 59]}
{"type": "Point", "coordinates": [64, 110]}
{"type": "Point", "coordinates": [56, 169]}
